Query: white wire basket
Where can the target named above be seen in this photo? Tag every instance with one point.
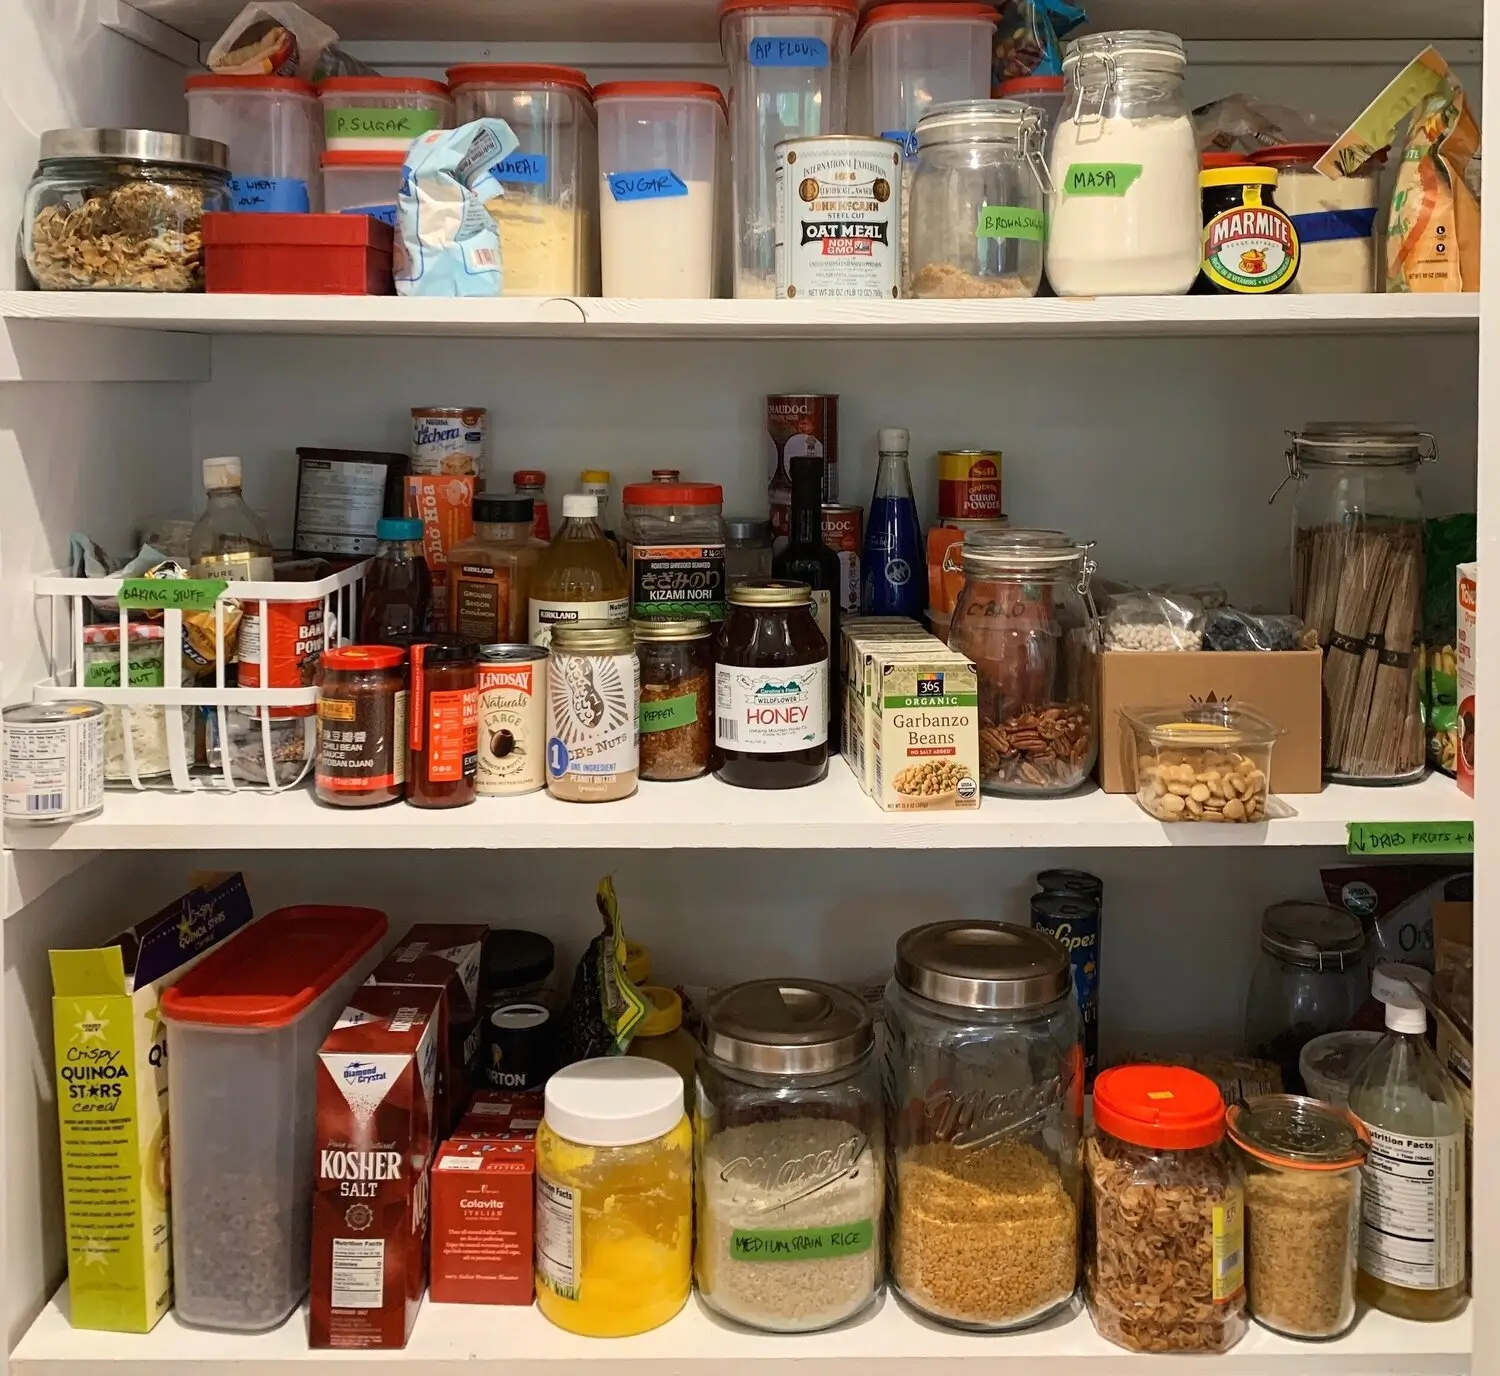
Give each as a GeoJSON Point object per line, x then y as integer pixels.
{"type": "Point", "coordinates": [260, 738]}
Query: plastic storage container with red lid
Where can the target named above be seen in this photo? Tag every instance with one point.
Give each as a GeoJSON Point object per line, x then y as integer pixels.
{"type": "Point", "coordinates": [243, 1030]}
{"type": "Point", "coordinates": [316, 255]}
{"type": "Point", "coordinates": [274, 133]}
{"type": "Point", "coordinates": [1163, 1106]}
{"type": "Point", "coordinates": [382, 113]}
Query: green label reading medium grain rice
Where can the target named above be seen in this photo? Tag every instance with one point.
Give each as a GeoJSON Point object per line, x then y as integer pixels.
{"type": "Point", "coordinates": [802, 1244]}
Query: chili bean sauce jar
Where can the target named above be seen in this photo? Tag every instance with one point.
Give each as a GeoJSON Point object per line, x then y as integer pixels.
{"type": "Point", "coordinates": [771, 688]}
{"type": "Point", "coordinates": [362, 723]}
{"type": "Point", "coordinates": [444, 733]}
{"type": "Point", "coordinates": [676, 655]}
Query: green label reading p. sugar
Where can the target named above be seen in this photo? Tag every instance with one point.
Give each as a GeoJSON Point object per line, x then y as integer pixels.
{"type": "Point", "coordinates": [1010, 222]}
{"type": "Point", "coordinates": [352, 122]}
{"type": "Point", "coordinates": [802, 1244]}
{"type": "Point", "coordinates": [1100, 178]}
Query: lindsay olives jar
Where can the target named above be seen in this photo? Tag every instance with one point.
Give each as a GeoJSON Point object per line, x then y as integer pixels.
{"type": "Point", "coordinates": [984, 1087]}
{"type": "Point", "coordinates": [790, 1156]}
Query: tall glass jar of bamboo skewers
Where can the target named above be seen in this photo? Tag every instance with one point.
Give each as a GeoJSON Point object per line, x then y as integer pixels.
{"type": "Point", "coordinates": [1357, 577]}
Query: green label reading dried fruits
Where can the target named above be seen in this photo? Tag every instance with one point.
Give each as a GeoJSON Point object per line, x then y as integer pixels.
{"type": "Point", "coordinates": [1411, 838]}
{"type": "Point", "coordinates": [1100, 178]}
{"type": "Point", "coordinates": [667, 714]}
{"type": "Point", "coordinates": [802, 1244]}
{"type": "Point", "coordinates": [1010, 222]}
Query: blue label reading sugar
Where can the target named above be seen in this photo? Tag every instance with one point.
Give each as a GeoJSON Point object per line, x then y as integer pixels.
{"type": "Point", "coordinates": [788, 52]}
{"type": "Point", "coordinates": [270, 195]}
{"type": "Point", "coordinates": [907, 138]}
{"type": "Point", "coordinates": [525, 169]}
{"type": "Point", "coordinates": [646, 186]}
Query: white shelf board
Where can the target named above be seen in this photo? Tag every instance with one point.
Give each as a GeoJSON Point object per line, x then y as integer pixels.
{"type": "Point", "coordinates": [707, 814]}
{"type": "Point", "coordinates": [696, 21]}
{"type": "Point", "coordinates": [479, 1340]}
{"type": "Point", "coordinates": [607, 317]}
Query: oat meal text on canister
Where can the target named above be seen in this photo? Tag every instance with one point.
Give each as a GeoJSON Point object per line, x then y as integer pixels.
{"type": "Point", "coordinates": [838, 217]}
{"type": "Point", "coordinates": [593, 708]}
{"type": "Point", "coordinates": [968, 484]}
{"type": "Point", "coordinates": [448, 441]}
{"type": "Point", "coordinates": [512, 719]}
{"type": "Point", "coordinates": [54, 761]}
{"type": "Point", "coordinates": [844, 534]}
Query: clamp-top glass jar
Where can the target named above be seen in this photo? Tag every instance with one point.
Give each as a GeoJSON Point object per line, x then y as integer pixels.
{"type": "Point", "coordinates": [984, 1088]}
{"type": "Point", "coordinates": [1357, 580]}
{"type": "Point", "coordinates": [978, 194]}
{"type": "Point", "coordinates": [1026, 618]}
{"type": "Point", "coordinates": [1126, 218]}
{"type": "Point", "coordinates": [790, 1156]}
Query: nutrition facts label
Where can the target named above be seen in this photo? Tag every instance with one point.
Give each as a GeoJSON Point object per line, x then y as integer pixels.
{"type": "Point", "coordinates": [358, 1272]}
{"type": "Point", "coordinates": [557, 1237]}
{"type": "Point", "coordinates": [1412, 1229]}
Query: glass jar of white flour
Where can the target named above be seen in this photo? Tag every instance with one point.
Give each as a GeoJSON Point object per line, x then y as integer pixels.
{"type": "Point", "coordinates": [1126, 218]}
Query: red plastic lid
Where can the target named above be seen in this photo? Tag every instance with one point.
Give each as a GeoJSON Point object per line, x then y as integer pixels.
{"type": "Point", "coordinates": [271, 972]}
{"type": "Point", "coordinates": [519, 74]}
{"type": "Point", "coordinates": [674, 494]}
{"type": "Point", "coordinates": [1029, 86]}
{"type": "Point", "coordinates": [382, 85]}
{"type": "Point", "coordinates": [213, 81]}
{"type": "Point", "coordinates": [364, 157]}
{"type": "Point", "coordinates": [225, 229]}
{"type": "Point", "coordinates": [671, 90]}
{"type": "Point", "coordinates": [1214, 159]}
{"type": "Point", "coordinates": [1163, 1106]}
{"type": "Point", "coordinates": [849, 7]}
{"type": "Point", "coordinates": [931, 9]}
{"type": "Point", "coordinates": [356, 657]}
{"type": "Point", "coordinates": [529, 477]}
{"type": "Point", "coordinates": [1285, 154]}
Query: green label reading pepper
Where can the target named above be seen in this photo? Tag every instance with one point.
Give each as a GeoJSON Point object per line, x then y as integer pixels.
{"type": "Point", "coordinates": [1100, 178]}
{"type": "Point", "coordinates": [667, 714]}
{"type": "Point", "coordinates": [1010, 222]}
{"type": "Point", "coordinates": [802, 1244]}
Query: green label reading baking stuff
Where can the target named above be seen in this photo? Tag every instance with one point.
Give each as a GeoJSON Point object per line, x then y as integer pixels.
{"type": "Point", "coordinates": [1010, 222]}
{"type": "Point", "coordinates": [165, 594]}
{"type": "Point", "coordinates": [802, 1244]}
{"type": "Point", "coordinates": [1411, 838]}
{"type": "Point", "coordinates": [358, 123]}
{"type": "Point", "coordinates": [1100, 178]}
{"type": "Point", "coordinates": [667, 714]}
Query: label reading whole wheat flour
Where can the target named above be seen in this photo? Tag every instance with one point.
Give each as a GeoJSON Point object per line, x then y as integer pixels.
{"type": "Point", "coordinates": [838, 218]}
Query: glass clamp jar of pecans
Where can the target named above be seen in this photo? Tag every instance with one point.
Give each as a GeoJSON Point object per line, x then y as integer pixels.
{"type": "Point", "coordinates": [676, 655]}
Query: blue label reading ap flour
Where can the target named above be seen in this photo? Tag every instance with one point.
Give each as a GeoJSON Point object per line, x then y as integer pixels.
{"type": "Point", "coordinates": [788, 52]}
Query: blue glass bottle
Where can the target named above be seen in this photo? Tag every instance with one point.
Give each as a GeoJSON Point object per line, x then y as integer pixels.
{"type": "Point", "coordinates": [895, 569]}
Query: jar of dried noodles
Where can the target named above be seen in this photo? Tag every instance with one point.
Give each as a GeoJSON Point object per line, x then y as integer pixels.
{"type": "Point", "coordinates": [1357, 580]}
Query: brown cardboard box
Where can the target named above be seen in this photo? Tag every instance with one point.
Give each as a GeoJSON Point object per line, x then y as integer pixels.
{"type": "Point", "coordinates": [1286, 686]}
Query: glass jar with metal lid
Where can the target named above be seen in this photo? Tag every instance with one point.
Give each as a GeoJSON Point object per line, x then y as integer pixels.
{"type": "Point", "coordinates": [1310, 979]}
{"type": "Point", "coordinates": [1302, 1162]}
{"type": "Point", "coordinates": [978, 200]}
{"type": "Point", "coordinates": [984, 1091]}
{"type": "Point", "coordinates": [1357, 580]}
{"type": "Point", "coordinates": [122, 209]}
{"type": "Point", "coordinates": [790, 1156]}
{"type": "Point", "coordinates": [1026, 618]}
{"type": "Point", "coordinates": [593, 712]}
{"type": "Point", "coordinates": [676, 655]}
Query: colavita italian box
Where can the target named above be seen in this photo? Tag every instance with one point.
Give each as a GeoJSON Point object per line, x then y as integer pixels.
{"type": "Point", "coordinates": [1285, 686]}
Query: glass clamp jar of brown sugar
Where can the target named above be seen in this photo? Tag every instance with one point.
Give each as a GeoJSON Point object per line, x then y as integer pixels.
{"type": "Point", "coordinates": [361, 756]}
{"type": "Point", "coordinates": [676, 656]}
{"type": "Point", "coordinates": [593, 711]}
{"type": "Point", "coordinates": [444, 734]}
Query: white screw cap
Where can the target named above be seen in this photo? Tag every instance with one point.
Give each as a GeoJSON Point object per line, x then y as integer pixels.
{"type": "Point", "coordinates": [581, 504]}
{"type": "Point", "coordinates": [1405, 1014]}
{"type": "Point", "coordinates": [222, 472]}
{"type": "Point", "coordinates": [895, 441]}
{"type": "Point", "coordinates": [614, 1101]}
{"type": "Point", "coordinates": [1392, 980]}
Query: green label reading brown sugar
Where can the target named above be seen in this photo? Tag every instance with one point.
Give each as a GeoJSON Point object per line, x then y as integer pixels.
{"type": "Point", "coordinates": [667, 714]}
{"type": "Point", "coordinates": [802, 1244]}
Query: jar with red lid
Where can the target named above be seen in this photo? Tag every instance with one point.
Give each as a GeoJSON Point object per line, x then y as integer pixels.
{"type": "Point", "coordinates": [361, 757]}
{"type": "Point", "coordinates": [443, 735]}
{"type": "Point", "coordinates": [1164, 1265]}
{"type": "Point", "coordinates": [674, 538]}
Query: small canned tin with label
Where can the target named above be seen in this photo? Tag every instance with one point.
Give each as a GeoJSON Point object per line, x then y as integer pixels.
{"type": "Point", "coordinates": [968, 484]}
{"type": "Point", "coordinates": [838, 217]}
{"type": "Point", "coordinates": [517, 1047]}
{"type": "Point", "coordinates": [54, 761]}
{"type": "Point", "coordinates": [448, 441]}
{"type": "Point", "coordinates": [844, 534]}
{"type": "Point", "coordinates": [1073, 919]}
{"type": "Point", "coordinates": [512, 719]}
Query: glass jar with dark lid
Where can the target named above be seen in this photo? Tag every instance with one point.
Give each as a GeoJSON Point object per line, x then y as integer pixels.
{"type": "Point", "coordinates": [676, 656]}
{"type": "Point", "coordinates": [771, 687]}
{"type": "Point", "coordinates": [517, 968]}
{"type": "Point", "coordinates": [1310, 979]}
{"type": "Point", "coordinates": [747, 548]}
{"type": "Point", "coordinates": [790, 1156]}
{"type": "Point", "coordinates": [984, 1088]}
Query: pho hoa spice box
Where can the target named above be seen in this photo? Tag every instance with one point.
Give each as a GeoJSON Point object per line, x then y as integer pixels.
{"type": "Point", "coordinates": [926, 732]}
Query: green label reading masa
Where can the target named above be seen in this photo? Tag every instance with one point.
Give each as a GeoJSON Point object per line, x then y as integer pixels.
{"type": "Point", "coordinates": [1100, 178]}
{"type": "Point", "coordinates": [1411, 838]}
{"type": "Point", "coordinates": [667, 714]}
{"type": "Point", "coordinates": [802, 1244]}
{"type": "Point", "coordinates": [1010, 222]}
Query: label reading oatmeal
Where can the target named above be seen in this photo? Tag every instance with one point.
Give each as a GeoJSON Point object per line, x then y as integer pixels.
{"type": "Point", "coordinates": [838, 218]}
{"type": "Point", "coordinates": [770, 711]}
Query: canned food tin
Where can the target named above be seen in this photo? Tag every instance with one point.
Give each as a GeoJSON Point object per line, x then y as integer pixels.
{"type": "Point", "coordinates": [517, 1047]}
{"type": "Point", "coordinates": [1073, 920]}
{"type": "Point", "coordinates": [844, 534]}
{"type": "Point", "coordinates": [969, 484]}
{"type": "Point", "coordinates": [54, 761]}
{"type": "Point", "coordinates": [448, 441]}
{"type": "Point", "coordinates": [799, 424]}
{"type": "Point", "coordinates": [838, 217]}
{"type": "Point", "coordinates": [512, 719]}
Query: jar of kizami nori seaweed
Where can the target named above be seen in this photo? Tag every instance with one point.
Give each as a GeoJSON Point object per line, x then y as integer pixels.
{"type": "Point", "coordinates": [676, 655]}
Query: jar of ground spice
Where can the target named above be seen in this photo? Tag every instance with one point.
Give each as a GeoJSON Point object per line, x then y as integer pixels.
{"type": "Point", "coordinates": [677, 696]}
{"type": "Point", "coordinates": [361, 758]}
{"type": "Point", "coordinates": [444, 728]}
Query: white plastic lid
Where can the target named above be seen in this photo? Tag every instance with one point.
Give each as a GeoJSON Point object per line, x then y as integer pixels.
{"type": "Point", "coordinates": [222, 472]}
{"type": "Point", "coordinates": [1405, 1014]}
{"type": "Point", "coordinates": [613, 1101]}
{"type": "Point", "coordinates": [580, 504]}
{"type": "Point", "coordinates": [1392, 980]}
{"type": "Point", "coordinates": [895, 441]}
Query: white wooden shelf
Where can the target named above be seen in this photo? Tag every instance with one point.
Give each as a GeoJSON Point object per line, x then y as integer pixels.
{"type": "Point", "coordinates": [707, 814]}
{"type": "Point", "coordinates": [479, 1340]}
{"type": "Point", "coordinates": [607, 317]}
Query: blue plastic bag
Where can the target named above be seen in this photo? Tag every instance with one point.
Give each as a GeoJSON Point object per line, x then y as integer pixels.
{"type": "Point", "coordinates": [447, 243]}
{"type": "Point", "coordinates": [1026, 37]}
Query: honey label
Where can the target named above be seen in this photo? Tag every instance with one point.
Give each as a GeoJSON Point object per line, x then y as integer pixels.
{"type": "Point", "coordinates": [771, 711]}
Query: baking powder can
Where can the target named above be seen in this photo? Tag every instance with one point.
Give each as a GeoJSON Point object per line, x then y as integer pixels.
{"type": "Point", "coordinates": [838, 217]}
{"type": "Point", "coordinates": [798, 424]}
{"type": "Point", "coordinates": [54, 761]}
{"type": "Point", "coordinates": [844, 534]}
{"type": "Point", "coordinates": [969, 484]}
{"type": "Point", "coordinates": [448, 441]}
{"type": "Point", "coordinates": [512, 719]}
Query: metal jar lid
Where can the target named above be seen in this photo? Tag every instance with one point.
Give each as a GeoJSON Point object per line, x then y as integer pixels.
{"type": "Point", "coordinates": [1154, 47]}
{"type": "Point", "coordinates": [983, 965]}
{"type": "Point", "coordinates": [670, 628]}
{"type": "Point", "coordinates": [771, 592]}
{"type": "Point", "coordinates": [787, 1027]}
{"type": "Point", "coordinates": [1316, 935]}
{"type": "Point", "coordinates": [135, 145]}
{"type": "Point", "coordinates": [1361, 443]}
{"type": "Point", "coordinates": [754, 531]}
{"type": "Point", "coordinates": [1301, 1133]}
{"type": "Point", "coordinates": [50, 713]}
{"type": "Point", "coordinates": [978, 121]}
{"type": "Point", "coordinates": [591, 638]}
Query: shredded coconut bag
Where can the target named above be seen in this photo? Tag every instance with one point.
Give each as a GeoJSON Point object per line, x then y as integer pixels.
{"type": "Point", "coordinates": [447, 243]}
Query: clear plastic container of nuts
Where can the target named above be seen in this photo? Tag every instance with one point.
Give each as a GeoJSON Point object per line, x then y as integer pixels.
{"type": "Point", "coordinates": [1207, 762]}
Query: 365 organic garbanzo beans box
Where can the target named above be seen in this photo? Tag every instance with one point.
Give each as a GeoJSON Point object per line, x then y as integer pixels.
{"type": "Point", "coordinates": [926, 732]}
{"type": "Point", "coordinates": [873, 654]}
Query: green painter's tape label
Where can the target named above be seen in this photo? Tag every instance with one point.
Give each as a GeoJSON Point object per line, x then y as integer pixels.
{"type": "Point", "coordinates": [163, 594]}
{"type": "Point", "coordinates": [1100, 178]}
{"type": "Point", "coordinates": [1411, 838]}
{"type": "Point", "coordinates": [356, 123]}
{"type": "Point", "coordinates": [667, 714]}
{"type": "Point", "coordinates": [1010, 222]}
{"type": "Point", "coordinates": [802, 1244]}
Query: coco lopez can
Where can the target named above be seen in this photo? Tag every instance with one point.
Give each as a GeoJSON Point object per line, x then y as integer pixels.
{"type": "Point", "coordinates": [838, 217]}
{"type": "Point", "coordinates": [1074, 920]}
